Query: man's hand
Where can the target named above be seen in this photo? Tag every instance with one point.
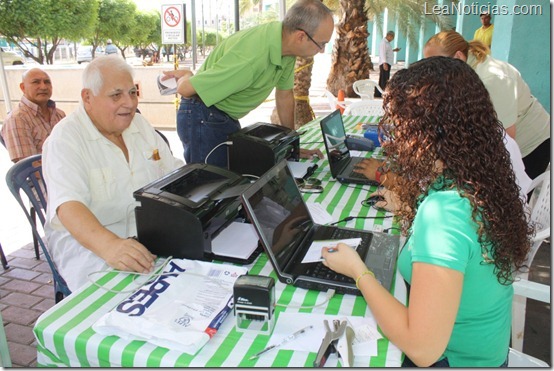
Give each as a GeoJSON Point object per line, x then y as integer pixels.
{"type": "Point", "coordinates": [309, 153]}
{"type": "Point", "coordinates": [177, 74]}
{"type": "Point", "coordinates": [127, 254]}
{"type": "Point", "coordinates": [396, 49]}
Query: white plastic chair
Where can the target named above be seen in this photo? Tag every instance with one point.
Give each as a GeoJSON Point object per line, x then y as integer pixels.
{"type": "Point", "coordinates": [366, 89]}
{"type": "Point", "coordinates": [523, 288]}
{"type": "Point", "coordinates": [522, 360]}
{"type": "Point", "coordinates": [365, 108]}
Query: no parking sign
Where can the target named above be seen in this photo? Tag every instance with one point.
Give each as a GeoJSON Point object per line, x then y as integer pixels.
{"type": "Point", "coordinates": [173, 21]}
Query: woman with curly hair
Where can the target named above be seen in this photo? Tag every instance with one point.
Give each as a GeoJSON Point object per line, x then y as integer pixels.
{"type": "Point", "coordinates": [522, 115]}
{"type": "Point", "coordinates": [466, 228]}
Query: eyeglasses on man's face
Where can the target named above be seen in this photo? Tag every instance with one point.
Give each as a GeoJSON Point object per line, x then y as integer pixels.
{"type": "Point", "coordinates": [320, 47]}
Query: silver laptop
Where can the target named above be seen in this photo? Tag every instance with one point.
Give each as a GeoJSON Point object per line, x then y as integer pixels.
{"type": "Point", "coordinates": [286, 231]}
{"type": "Point", "coordinates": [341, 162]}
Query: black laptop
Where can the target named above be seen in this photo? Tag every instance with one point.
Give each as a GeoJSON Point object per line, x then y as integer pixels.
{"type": "Point", "coordinates": [286, 231]}
{"type": "Point", "coordinates": [340, 161]}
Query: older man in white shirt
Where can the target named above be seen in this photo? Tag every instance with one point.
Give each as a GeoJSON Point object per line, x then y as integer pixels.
{"type": "Point", "coordinates": [386, 59]}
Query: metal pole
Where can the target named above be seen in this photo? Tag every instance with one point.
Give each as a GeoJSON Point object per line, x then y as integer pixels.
{"type": "Point", "coordinates": [237, 16]}
{"type": "Point", "coordinates": [5, 91]}
{"type": "Point", "coordinates": [282, 9]}
{"type": "Point", "coordinates": [193, 33]}
{"type": "Point", "coordinates": [203, 33]}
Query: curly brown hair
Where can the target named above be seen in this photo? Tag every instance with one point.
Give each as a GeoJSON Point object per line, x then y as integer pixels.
{"type": "Point", "coordinates": [439, 112]}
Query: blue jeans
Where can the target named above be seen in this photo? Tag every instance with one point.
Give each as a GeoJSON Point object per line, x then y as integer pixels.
{"type": "Point", "coordinates": [202, 128]}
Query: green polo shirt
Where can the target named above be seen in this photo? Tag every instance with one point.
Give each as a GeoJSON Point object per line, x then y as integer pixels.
{"type": "Point", "coordinates": [241, 72]}
{"type": "Point", "coordinates": [444, 234]}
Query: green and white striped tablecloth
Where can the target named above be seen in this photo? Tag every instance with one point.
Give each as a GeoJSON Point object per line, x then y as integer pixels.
{"type": "Point", "coordinates": [65, 337]}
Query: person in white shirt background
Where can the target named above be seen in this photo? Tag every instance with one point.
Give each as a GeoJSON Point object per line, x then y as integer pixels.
{"type": "Point", "coordinates": [386, 60]}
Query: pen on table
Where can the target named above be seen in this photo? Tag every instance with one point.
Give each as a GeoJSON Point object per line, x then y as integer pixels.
{"type": "Point", "coordinates": [283, 342]}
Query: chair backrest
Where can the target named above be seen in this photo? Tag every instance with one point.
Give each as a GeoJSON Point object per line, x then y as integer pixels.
{"type": "Point", "coordinates": [366, 88]}
{"type": "Point", "coordinates": [365, 108]}
{"type": "Point", "coordinates": [540, 211]}
{"type": "Point", "coordinates": [26, 177]}
{"type": "Point", "coordinates": [522, 360]}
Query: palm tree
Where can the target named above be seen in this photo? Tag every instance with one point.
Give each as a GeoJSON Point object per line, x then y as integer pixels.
{"type": "Point", "coordinates": [351, 60]}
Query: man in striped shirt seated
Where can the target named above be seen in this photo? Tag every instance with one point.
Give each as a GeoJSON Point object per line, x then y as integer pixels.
{"type": "Point", "coordinates": [27, 126]}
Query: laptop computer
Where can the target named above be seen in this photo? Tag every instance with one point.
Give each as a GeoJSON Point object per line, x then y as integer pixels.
{"type": "Point", "coordinates": [286, 230]}
{"type": "Point", "coordinates": [341, 162]}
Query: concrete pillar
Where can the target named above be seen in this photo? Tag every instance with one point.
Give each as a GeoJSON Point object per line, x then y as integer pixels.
{"type": "Point", "coordinates": [426, 30]}
{"type": "Point", "coordinates": [412, 50]}
{"type": "Point", "coordinates": [370, 36]}
{"type": "Point", "coordinates": [399, 42]}
{"type": "Point", "coordinates": [375, 40]}
{"type": "Point", "coordinates": [523, 40]}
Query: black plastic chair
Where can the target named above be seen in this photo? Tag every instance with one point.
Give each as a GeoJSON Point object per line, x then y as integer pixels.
{"type": "Point", "coordinates": [26, 176]}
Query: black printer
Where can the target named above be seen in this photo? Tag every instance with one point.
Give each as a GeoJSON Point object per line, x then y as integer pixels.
{"type": "Point", "coordinates": [180, 213]}
{"type": "Point", "coordinates": [258, 147]}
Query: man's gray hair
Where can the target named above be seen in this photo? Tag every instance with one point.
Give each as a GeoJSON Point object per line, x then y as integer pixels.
{"type": "Point", "coordinates": [306, 15]}
{"type": "Point", "coordinates": [390, 33]}
{"type": "Point", "coordinates": [92, 75]}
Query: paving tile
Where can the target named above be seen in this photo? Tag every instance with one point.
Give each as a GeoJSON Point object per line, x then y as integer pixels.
{"type": "Point", "coordinates": [42, 267]}
{"type": "Point", "coordinates": [44, 305]}
{"type": "Point", "coordinates": [22, 354]}
{"type": "Point", "coordinates": [23, 253]}
{"type": "Point", "coordinates": [19, 334]}
{"type": "Point", "coordinates": [24, 263]}
{"type": "Point", "coordinates": [3, 280]}
{"type": "Point", "coordinates": [46, 291]}
{"type": "Point", "coordinates": [44, 278]}
{"type": "Point", "coordinates": [21, 273]}
{"type": "Point", "coordinates": [21, 286]}
{"type": "Point", "coordinates": [21, 300]}
{"type": "Point", "coordinates": [22, 316]}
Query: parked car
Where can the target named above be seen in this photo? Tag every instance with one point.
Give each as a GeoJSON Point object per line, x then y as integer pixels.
{"type": "Point", "coordinates": [84, 53]}
{"type": "Point", "coordinates": [11, 58]}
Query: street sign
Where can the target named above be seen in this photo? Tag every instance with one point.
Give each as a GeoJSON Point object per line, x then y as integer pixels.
{"type": "Point", "coordinates": [173, 21]}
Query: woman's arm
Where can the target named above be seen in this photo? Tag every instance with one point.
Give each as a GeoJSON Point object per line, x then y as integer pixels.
{"type": "Point", "coordinates": [421, 330]}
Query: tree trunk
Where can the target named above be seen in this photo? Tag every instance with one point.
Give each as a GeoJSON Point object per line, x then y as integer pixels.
{"type": "Point", "coordinates": [302, 83]}
{"type": "Point", "coordinates": [351, 60]}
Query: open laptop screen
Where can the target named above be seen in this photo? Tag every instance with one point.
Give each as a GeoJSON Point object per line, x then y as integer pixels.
{"type": "Point", "coordinates": [277, 209]}
{"type": "Point", "coordinates": [334, 137]}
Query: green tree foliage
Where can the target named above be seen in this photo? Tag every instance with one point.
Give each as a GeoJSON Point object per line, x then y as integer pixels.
{"type": "Point", "coordinates": [38, 26]}
{"type": "Point", "coordinates": [116, 19]}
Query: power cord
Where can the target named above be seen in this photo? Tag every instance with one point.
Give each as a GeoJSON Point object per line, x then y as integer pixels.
{"type": "Point", "coordinates": [328, 295]}
{"type": "Point", "coordinates": [228, 143]}
{"type": "Point", "coordinates": [349, 218]}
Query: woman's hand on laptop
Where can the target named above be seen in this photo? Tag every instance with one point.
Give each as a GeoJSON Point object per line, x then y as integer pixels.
{"type": "Point", "coordinates": [368, 167]}
{"type": "Point", "coordinates": [343, 259]}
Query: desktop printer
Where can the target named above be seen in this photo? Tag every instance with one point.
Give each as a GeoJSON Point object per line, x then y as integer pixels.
{"type": "Point", "coordinates": [258, 147]}
{"type": "Point", "coordinates": [179, 214]}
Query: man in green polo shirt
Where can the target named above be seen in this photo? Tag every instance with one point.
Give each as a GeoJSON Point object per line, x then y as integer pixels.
{"type": "Point", "coordinates": [239, 75]}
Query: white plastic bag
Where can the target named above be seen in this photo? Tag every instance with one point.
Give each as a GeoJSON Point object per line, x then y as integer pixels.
{"type": "Point", "coordinates": [181, 310]}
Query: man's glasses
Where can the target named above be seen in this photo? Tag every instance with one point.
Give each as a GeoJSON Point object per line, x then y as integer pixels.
{"type": "Point", "coordinates": [320, 47]}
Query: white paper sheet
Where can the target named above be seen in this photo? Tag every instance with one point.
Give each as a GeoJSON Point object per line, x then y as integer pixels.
{"type": "Point", "coordinates": [365, 329]}
{"type": "Point", "coordinates": [314, 252]}
{"type": "Point", "coordinates": [238, 240]}
{"type": "Point", "coordinates": [299, 169]}
{"type": "Point", "coordinates": [318, 213]}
